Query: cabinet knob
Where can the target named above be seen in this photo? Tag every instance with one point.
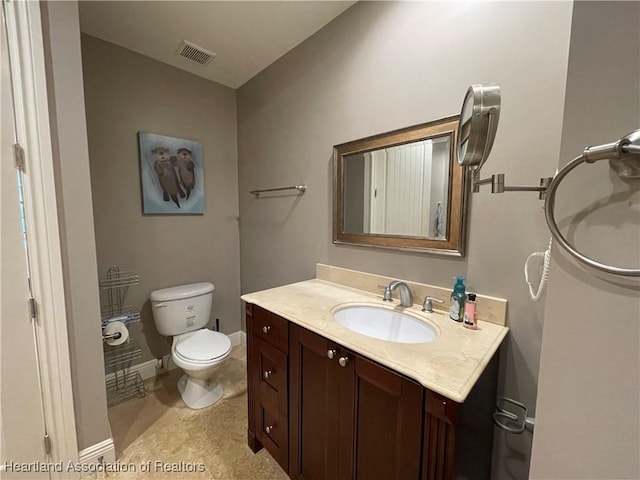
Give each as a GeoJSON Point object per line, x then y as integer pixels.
{"type": "Point", "coordinates": [268, 429]}
{"type": "Point", "coordinates": [267, 373]}
{"type": "Point", "coordinates": [331, 353]}
{"type": "Point", "coordinates": [343, 361]}
{"type": "Point", "coordinates": [266, 328]}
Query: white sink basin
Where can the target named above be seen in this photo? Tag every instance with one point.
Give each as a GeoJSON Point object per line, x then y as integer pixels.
{"type": "Point", "coordinates": [384, 324]}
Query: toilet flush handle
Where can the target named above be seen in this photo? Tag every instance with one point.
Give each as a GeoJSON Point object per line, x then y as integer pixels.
{"type": "Point", "coordinates": [161, 305]}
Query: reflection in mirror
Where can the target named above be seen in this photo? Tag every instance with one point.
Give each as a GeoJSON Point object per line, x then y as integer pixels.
{"type": "Point", "coordinates": [401, 190]}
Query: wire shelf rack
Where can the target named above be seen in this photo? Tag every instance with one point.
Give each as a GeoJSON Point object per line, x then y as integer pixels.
{"type": "Point", "coordinates": [114, 286]}
{"type": "Point", "coordinates": [123, 386]}
{"type": "Point", "coordinates": [121, 356]}
{"type": "Point", "coordinates": [116, 278]}
{"type": "Point", "coordinates": [121, 383]}
{"type": "Point", "coordinates": [125, 314]}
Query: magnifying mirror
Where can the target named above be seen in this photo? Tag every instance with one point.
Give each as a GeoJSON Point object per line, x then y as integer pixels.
{"type": "Point", "coordinates": [478, 124]}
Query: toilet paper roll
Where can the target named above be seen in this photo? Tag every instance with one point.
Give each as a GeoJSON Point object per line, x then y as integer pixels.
{"type": "Point", "coordinates": [114, 328]}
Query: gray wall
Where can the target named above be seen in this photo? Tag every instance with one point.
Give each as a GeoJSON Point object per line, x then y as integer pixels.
{"type": "Point", "coordinates": [71, 161]}
{"type": "Point", "coordinates": [588, 416]}
{"type": "Point", "coordinates": [126, 93]}
{"type": "Point", "coordinates": [331, 89]}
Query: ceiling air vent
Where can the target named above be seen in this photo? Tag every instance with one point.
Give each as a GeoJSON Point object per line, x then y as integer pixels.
{"type": "Point", "coordinates": [195, 53]}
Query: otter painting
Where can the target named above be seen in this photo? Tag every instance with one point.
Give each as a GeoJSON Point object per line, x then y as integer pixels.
{"type": "Point", "coordinates": [166, 175]}
{"type": "Point", "coordinates": [171, 175]}
{"type": "Point", "coordinates": [186, 170]}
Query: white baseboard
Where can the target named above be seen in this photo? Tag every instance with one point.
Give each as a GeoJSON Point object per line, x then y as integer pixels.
{"type": "Point", "coordinates": [103, 452]}
{"type": "Point", "coordinates": [150, 368]}
{"type": "Point", "coordinates": [238, 338]}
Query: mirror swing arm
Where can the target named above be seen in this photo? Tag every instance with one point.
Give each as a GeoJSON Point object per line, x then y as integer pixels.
{"type": "Point", "coordinates": [479, 133]}
{"type": "Point", "coordinates": [497, 185]}
{"type": "Point", "coordinates": [478, 126]}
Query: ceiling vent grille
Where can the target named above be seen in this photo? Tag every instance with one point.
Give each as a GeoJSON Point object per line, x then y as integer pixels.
{"type": "Point", "coordinates": [195, 53]}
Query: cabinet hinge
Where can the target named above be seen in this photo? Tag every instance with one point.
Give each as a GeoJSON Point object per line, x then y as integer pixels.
{"type": "Point", "coordinates": [47, 444]}
{"type": "Point", "coordinates": [18, 155]}
{"type": "Point", "coordinates": [33, 308]}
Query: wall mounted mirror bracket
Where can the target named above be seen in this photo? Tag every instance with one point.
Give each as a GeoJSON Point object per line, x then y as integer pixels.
{"type": "Point", "coordinates": [478, 126]}
{"type": "Point", "coordinates": [498, 186]}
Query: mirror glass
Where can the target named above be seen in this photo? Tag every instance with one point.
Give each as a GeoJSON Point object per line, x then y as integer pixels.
{"type": "Point", "coordinates": [401, 190]}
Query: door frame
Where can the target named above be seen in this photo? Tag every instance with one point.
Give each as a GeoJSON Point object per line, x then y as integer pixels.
{"type": "Point", "coordinates": [26, 58]}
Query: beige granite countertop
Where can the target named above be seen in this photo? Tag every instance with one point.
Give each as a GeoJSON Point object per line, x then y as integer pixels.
{"type": "Point", "coordinates": [450, 365]}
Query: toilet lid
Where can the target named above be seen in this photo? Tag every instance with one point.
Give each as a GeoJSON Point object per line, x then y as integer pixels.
{"type": "Point", "coordinates": [204, 345]}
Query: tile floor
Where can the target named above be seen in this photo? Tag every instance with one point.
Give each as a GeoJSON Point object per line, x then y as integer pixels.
{"type": "Point", "coordinates": [160, 437]}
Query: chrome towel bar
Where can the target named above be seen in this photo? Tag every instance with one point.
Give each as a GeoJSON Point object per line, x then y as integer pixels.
{"type": "Point", "coordinates": [300, 188]}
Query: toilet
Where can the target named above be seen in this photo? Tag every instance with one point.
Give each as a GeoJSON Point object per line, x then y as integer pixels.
{"type": "Point", "coordinates": [183, 312]}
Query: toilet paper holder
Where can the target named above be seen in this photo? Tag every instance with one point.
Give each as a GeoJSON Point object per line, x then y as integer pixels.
{"type": "Point", "coordinates": [115, 333]}
{"type": "Point", "coordinates": [109, 336]}
{"type": "Point", "coordinates": [510, 421]}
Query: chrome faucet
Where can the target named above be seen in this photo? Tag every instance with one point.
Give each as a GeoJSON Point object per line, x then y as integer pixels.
{"type": "Point", "coordinates": [406, 299]}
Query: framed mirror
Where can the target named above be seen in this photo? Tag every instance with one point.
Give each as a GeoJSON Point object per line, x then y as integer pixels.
{"type": "Point", "coordinates": [402, 190]}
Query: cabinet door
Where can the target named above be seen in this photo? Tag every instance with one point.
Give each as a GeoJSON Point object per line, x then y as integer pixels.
{"type": "Point", "coordinates": [439, 438]}
{"type": "Point", "coordinates": [314, 411]}
{"type": "Point", "coordinates": [387, 419]}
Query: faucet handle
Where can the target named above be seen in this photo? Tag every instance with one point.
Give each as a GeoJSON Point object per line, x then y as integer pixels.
{"type": "Point", "coordinates": [427, 305]}
{"type": "Point", "coordinates": [387, 293]}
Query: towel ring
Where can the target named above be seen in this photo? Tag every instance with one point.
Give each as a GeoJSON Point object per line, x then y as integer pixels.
{"type": "Point", "coordinates": [590, 155]}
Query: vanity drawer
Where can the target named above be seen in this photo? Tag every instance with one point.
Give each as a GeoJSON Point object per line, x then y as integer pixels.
{"type": "Point", "coordinates": [272, 376]}
{"type": "Point", "coordinates": [271, 328]}
{"type": "Point", "coordinates": [273, 433]}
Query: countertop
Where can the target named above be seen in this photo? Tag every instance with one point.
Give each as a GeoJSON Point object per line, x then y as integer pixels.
{"type": "Point", "coordinates": [450, 365]}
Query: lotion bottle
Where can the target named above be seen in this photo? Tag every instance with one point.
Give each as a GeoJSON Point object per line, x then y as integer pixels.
{"type": "Point", "coordinates": [456, 309]}
{"type": "Point", "coordinates": [470, 318]}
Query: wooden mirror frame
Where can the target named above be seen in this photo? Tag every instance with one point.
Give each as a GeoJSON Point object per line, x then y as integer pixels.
{"type": "Point", "coordinates": [454, 243]}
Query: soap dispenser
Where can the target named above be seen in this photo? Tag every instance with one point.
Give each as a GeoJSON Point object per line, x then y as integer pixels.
{"type": "Point", "coordinates": [456, 309]}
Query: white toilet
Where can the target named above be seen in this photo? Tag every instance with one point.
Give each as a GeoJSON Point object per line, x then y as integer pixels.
{"type": "Point", "coordinates": [183, 312]}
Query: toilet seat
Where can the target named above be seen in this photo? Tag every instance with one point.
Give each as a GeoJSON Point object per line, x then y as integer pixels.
{"type": "Point", "coordinates": [202, 347]}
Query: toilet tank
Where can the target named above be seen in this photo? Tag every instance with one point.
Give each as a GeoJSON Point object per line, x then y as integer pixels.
{"type": "Point", "coordinates": [183, 308]}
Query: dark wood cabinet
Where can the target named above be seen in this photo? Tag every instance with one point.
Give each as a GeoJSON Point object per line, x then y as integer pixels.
{"type": "Point", "coordinates": [350, 417]}
{"type": "Point", "coordinates": [268, 383]}
{"type": "Point", "coordinates": [386, 414]}
{"type": "Point", "coordinates": [314, 407]}
{"type": "Point", "coordinates": [326, 412]}
{"type": "Point", "coordinates": [439, 437]}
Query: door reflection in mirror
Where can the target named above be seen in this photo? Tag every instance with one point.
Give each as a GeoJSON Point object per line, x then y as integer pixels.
{"type": "Point", "coordinates": [400, 190]}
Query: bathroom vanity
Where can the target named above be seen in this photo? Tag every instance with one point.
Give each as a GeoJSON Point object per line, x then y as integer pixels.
{"type": "Point", "coordinates": [329, 403]}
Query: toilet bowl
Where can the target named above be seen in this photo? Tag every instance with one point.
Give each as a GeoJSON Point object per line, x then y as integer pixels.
{"type": "Point", "coordinates": [182, 312]}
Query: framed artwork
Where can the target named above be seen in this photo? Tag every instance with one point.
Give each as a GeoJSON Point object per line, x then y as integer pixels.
{"type": "Point", "coordinates": [172, 174]}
